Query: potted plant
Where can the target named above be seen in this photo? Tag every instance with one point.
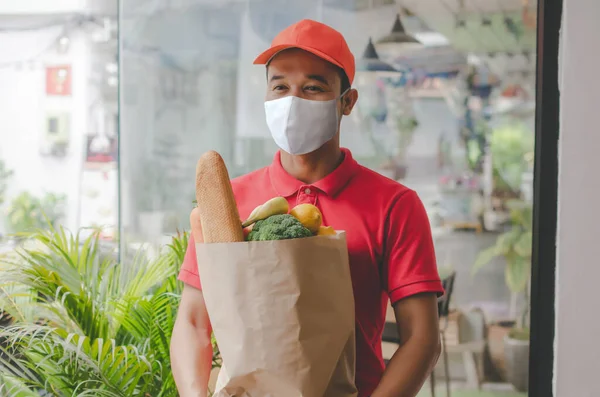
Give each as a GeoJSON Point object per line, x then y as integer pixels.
{"type": "Point", "coordinates": [474, 135]}
{"type": "Point", "coordinates": [88, 325]}
{"type": "Point", "coordinates": [509, 146]}
{"type": "Point", "coordinates": [514, 246]}
{"type": "Point", "coordinates": [27, 212]}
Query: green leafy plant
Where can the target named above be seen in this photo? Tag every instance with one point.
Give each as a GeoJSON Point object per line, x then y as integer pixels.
{"type": "Point", "coordinates": [510, 146]}
{"type": "Point", "coordinates": [405, 128]}
{"type": "Point", "coordinates": [83, 324]}
{"type": "Point", "coordinates": [475, 140]}
{"type": "Point", "coordinates": [5, 175]}
{"type": "Point", "coordinates": [27, 212]}
{"type": "Point", "coordinates": [515, 246]}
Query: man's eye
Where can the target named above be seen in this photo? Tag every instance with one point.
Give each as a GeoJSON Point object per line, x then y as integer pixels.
{"type": "Point", "coordinates": [279, 88]}
{"type": "Point", "coordinates": [314, 88]}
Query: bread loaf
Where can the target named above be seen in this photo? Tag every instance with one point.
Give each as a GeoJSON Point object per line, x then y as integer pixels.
{"type": "Point", "coordinates": [219, 216]}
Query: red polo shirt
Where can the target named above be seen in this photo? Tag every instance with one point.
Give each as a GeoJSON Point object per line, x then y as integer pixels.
{"type": "Point", "coordinates": [389, 242]}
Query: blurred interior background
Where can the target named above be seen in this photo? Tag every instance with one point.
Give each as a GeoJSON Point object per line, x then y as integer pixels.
{"type": "Point", "coordinates": [106, 108]}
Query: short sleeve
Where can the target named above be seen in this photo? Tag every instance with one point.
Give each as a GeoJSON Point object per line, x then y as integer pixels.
{"type": "Point", "coordinates": [408, 251]}
{"type": "Point", "coordinates": [189, 269]}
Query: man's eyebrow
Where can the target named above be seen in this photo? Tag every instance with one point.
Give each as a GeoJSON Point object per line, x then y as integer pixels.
{"type": "Point", "coordinates": [276, 77]}
{"type": "Point", "coordinates": [318, 77]}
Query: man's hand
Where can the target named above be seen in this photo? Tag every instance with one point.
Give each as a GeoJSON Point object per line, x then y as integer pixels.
{"type": "Point", "coordinates": [191, 348]}
{"type": "Point", "coordinates": [409, 367]}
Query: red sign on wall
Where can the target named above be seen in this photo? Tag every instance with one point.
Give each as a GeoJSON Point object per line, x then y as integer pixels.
{"type": "Point", "coordinates": [58, 80]}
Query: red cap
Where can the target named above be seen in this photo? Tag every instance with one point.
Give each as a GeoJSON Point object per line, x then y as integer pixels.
{"type": "Point", "coordinates": [316, 38]}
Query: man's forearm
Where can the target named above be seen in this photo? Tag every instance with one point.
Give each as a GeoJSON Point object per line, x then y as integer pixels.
{"type": "Point", "coordinates": [191, 360]}
{"type": "Point", "coordinates": [408, 368]}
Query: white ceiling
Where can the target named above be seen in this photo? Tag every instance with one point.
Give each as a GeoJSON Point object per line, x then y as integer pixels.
{"type": "Point", "coordinates": [478, 26]}
{"type": "Point", "coordinates": [501, 33]}
{"type": "Point", "coordinates": [431, 7]}
{"type": "Point", "coordinates": [481, 27]}
{"type": "Point", "coordinates": [475, 26]}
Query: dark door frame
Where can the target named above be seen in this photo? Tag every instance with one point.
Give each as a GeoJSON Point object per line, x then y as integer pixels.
{"type": "Point", "coordinates": [543, 271]}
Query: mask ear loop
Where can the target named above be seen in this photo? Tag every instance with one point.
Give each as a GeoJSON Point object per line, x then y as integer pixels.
{"type": "Point", "coordinates": [345, 92]}
{"type": "Point", "coordinates": [341, 98]}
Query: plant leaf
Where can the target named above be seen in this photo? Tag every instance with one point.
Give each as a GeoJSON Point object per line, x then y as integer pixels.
{"type": "Point", "coordinates": [86, 325]}
{"type": "Point", "coordinates": [522, 246]}
{"type": "Point", "coordinates": [517, 273]}
{"type": "Point", "coordinates": [484, 257]}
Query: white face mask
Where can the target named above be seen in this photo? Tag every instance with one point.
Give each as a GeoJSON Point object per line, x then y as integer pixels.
{"type": "Point", "coordinates": [301, 126]}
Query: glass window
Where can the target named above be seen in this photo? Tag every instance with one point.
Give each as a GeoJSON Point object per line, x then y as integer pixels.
{"type": "Point", "coordinates": [55, 82]}
{"type": "Point", "coordinates": [452, 119]}
{"type": "Point", "coordinates": [103, 119]}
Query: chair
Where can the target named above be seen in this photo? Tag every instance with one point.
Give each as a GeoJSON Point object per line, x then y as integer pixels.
{"type": "Point", "coordinates": [390, 330]}
{"type": "Point", "coordinates": [443, 312]}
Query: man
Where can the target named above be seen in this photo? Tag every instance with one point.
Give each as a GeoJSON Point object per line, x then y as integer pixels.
{"type": "Point", "coordinates": [310, 70]}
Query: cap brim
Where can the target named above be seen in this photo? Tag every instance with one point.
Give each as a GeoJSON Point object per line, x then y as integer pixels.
{"type": "Point", "coordinates": [266, 56]}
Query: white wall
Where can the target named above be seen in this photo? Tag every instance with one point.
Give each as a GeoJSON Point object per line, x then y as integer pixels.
{"type": "Point", "coordinates": [578, 253]}
{"type": "Point", "coordinates": [24, 107]}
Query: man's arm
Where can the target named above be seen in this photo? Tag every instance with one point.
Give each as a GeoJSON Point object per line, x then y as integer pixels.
{"type": "Point", "coordinates": [191, 348]}
{"type": "Point", "coordinates": [411, 364]}
{"type": "Point", "coordinates": [413, 284]}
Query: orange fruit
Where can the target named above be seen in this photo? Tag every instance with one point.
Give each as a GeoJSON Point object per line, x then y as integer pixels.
{"type": "Point", "coordinates": [309, 215]}
{"type": "Point", "coordinates": [326, 231]}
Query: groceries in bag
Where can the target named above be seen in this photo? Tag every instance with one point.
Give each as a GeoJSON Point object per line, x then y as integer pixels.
{"type": "Point", "coordinates": [217, 209]}
{"type": "Point", "coordinates": [270, 221]}
{"type": "Point", "coordinates": [309, 215]}
{"type": "Point", "coordinates": [275, 206]}
{"type": "Point", "coordinates": [282, 310]}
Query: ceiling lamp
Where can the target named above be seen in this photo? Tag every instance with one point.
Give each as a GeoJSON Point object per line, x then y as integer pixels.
{"type": "Point", "coordinates": [370, 61]}
{"type": "Point", "coordinates": [398, 40]}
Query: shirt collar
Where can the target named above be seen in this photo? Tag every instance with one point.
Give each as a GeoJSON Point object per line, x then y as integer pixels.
{"type": "Point", "coordinates": [286, 185]}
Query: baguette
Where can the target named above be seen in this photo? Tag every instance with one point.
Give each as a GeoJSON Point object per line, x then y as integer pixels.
{"type": "Point", "coordinates": [217, 209]}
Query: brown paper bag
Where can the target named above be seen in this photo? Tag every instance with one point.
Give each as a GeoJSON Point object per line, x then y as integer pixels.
{"type": "Point", "coordinates": [283, 316]}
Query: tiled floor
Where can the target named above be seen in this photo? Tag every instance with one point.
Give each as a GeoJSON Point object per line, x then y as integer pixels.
{"type": "Point", "coordinates": [459, 390]}
{"type": "Point", "coordinates": [441, 392]}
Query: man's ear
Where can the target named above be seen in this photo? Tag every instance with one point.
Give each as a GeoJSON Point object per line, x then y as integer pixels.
{"type": "Point", "coordinates": [349, 101]}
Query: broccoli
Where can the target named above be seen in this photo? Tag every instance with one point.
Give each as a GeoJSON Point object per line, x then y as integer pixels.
{"type": "Point", "coordinates": [278, 227]}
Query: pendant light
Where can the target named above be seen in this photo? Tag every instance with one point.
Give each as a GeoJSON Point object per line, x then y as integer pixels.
{"type": "Point", "coordinates": [369, 70]}
{"type": "Point", "coordinates": [370, 61]}
{"type": "Point", "coordinates": [398, 41]}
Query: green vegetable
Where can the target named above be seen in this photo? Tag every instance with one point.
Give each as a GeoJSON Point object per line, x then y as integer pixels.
{"type": "Point", "coordinates": [278, 227]}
